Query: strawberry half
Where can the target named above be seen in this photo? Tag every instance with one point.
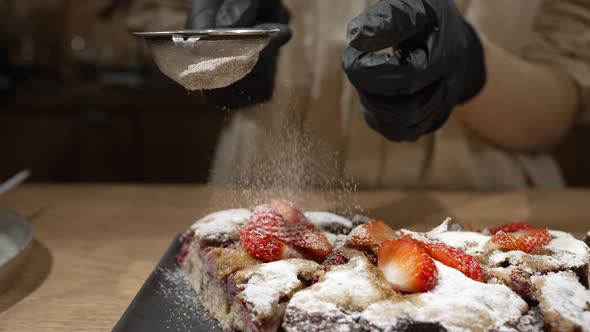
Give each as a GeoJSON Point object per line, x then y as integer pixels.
{"type": "Point", "coordinates": [268, 236]}
{"type": "Point", "coordinates": [186, 242]}
{"type": "Point", "coordinates": [510, 228]}
{"type": "Point", "coordinates": [299, 232]}
{"type": "Point", "coordinates": [406, 266]}
{"type": "Point", "coordinates": [305, 236]}
{"type": "Point", "coordinates": [526, 240]}
{"type": "Point", "coordinates": [449, 256]}
{"type": "Point", "coordinates": [258, 238]}
{"type": "Point", "coordinates": [262, 246]}
{"type": "Point", "coordinates": [288, 210]}
{"type": "Point", "coordinates": [370, 234]}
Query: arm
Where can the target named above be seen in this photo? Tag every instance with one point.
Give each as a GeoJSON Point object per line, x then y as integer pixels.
{"type": "Point", "coordinates": [523, 106]}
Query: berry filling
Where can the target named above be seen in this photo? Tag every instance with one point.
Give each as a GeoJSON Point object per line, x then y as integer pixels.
{"type": "Point", "coordinates": [186, 242]}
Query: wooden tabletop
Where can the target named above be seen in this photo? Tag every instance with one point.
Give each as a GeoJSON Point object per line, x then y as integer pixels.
{"type": "Point", "coordinates": [96, 244]}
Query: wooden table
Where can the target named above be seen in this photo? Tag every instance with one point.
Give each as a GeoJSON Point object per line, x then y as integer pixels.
{"type": "Point", "coordinates": [96, 244]}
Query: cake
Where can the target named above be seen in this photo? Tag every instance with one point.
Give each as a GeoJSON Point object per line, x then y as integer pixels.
{"type": "Point", "coordinates": [276, 268]}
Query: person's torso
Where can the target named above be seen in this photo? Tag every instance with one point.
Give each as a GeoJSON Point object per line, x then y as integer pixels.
{"type": "Point", "coordinates": [312, 88]}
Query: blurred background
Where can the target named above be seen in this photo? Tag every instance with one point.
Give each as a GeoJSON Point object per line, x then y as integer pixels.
{"type": "Point", "coordinates": [81, 101]}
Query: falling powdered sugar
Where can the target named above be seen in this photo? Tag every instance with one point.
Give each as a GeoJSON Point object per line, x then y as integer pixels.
{"type": "Point", "coordinates": [289, 163]}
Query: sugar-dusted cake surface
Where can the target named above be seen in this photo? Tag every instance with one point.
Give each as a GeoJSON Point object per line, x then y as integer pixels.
{"type": "Point", "coordinates": [546, 288]}
{"type": "Point", "coordinates": [563, 300]}
{"type": "Point", "coordinates": [265, 285]}
{"type": "Point", "coordinates": [471, 305]}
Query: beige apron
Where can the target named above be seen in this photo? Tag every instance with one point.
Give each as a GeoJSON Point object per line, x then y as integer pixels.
{"type": "Point", "coordinates": [314, 95]}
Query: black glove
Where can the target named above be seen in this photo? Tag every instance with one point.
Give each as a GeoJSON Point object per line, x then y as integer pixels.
{"type": "Point", "coordinates": [258, 85]}
{"type": "Point", "coordinates": [436, 63]}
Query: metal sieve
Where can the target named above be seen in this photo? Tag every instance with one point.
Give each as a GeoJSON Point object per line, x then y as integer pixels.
{"type": "Point", "coordinates": [206, 59]}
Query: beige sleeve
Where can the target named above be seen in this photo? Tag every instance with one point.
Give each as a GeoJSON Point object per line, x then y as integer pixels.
{"type": "Point", "coordinates": [562, 38]}
{"type": "Point", "coordinates": [158, 15]}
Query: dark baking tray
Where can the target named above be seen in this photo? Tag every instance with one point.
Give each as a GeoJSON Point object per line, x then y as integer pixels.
{"type": "Point", "coordinates": [166, 302]}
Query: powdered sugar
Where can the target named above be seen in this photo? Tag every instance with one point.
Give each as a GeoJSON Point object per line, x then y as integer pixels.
{"type": "Point", "coordinates": [325, 219]}
{"type": "Point", "coordinates": [557, 234]}
{"type": "Point", "coordinates": [185, 312]}
{"type": "Point", "coordinates": [336, 240]}
{"type": "Point", "coordinates": [574, 252]}
{"type": "Point", "coordinates": [561, 253]}
{"type": "Point", "coordinates": [442, 228]}
{"type": "Point", "coordinates": [562, 294]}
{"type": "Point", "coordinates": [220, 224]}
{"type": "Point", "coordinates": [350, 287]}
{"type": "Point", "coordinates": [457, 303]}
{"type": "Point", "coordinates": [270, 282]}
{"type": "Point", "coordinates": [471, 242]}
{"type": "Point", "coordinates": [288, 161]}
{"type": "Point", "coordinates": [513, 257]}
{"type": "Point", "coordinates": [217, 72]}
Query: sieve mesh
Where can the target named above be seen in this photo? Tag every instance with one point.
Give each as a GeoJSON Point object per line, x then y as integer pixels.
{"type": "Point", "coordinates": [212, 62]}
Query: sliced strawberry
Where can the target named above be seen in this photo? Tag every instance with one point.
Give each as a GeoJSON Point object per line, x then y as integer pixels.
{"type": "Point", "coordinates": [288, 210]}
{"type": "Point", "coordinates": [274, 236]}
{"type": "Point", "coordinates": [296, 230]}
{"type": "Point", "coordinates": [449, 256]}
{"type": "Point", "coordinates": [308, 238]}
{"type": "Point", "coordinates": [265, 220]}
{"type": "Point", "coordinates": [370, 234]}
{"type": "Point", "coordinates": [258, 238]}
{"type": "Point", "coordinates": [406, 266]}
{"type": "Point", "coordinates": [263, 246]}
{"type": "Point", "coordinates": [510, 228]}
{"type": "Point", "coordinates": [526, 240]}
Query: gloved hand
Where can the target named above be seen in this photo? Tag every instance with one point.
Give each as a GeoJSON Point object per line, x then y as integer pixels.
{"type": "Point", "coordinates": [436, 63]}
{"type": "Point", "coordinates": [258, 85]}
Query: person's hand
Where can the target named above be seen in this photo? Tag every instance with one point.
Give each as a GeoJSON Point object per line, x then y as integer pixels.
{"type": "Point", "coordinates": [258, 85]}
{"type": "Point", "coordinates": [436, 62]}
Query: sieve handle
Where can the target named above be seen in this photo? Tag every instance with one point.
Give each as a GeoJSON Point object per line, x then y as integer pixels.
{"type": "Point", "coordinates": [181, 41]}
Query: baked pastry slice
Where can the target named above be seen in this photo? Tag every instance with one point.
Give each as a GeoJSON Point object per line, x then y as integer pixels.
{"type": "Point", "coordinates": [275, 268]}
{"type": "Point", "coordinates": [242, 291]}
{"type": "Point", "coordinates": [564, 300]}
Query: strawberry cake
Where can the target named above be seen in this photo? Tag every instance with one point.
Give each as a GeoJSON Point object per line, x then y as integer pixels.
{"type": "Point", "coordinates": [276, 268]}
